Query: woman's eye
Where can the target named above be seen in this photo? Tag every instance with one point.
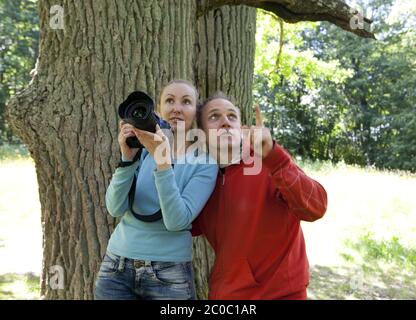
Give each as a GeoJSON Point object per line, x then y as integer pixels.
{"type": "Point", "coordinates": [212, 117]}
{"type": "Point", "coordinates": [187, 102]}
{"type": "Point", "coordinates": [169, 100]}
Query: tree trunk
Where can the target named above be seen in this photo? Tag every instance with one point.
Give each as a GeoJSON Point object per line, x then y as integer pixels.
{"type": "Point", "coordinates": [225, 50]}
{"type": "Point", "coordinates": [225, 47]}
{"type": "Point", "coordinates": [68, 118]}
{"type": "Point", "coordinates": [68, 115]}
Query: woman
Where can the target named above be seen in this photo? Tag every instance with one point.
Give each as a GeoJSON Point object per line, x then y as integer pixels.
{"type": "Point", "coordinates": [149, 259]}
{"type": "Point", "coordinates": [253, 221]}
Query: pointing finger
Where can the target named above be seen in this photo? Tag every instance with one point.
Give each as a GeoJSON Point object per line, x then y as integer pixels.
{"type": "Point", "coordinates": [259, 117]}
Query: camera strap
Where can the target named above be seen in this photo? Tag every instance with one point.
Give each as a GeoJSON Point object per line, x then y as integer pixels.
{"type": "Point", "coordinates": [146, 218]}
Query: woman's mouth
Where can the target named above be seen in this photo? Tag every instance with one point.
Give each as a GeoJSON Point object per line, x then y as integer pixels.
{"type": "Point", "coordinates": [175, 119]}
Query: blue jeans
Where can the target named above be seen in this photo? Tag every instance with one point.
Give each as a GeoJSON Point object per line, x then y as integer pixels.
{"type": "Point", "coordinates": [121, 278]}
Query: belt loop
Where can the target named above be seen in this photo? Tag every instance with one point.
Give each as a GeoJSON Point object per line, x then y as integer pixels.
{"type": "Point", "coordinates": [121, 264]}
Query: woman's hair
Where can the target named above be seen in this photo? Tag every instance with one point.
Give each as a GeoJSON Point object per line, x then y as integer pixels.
{"type": "Point", "coordinates": [181, 81]}
{"type": "Point", "coordinates": [217, 95]}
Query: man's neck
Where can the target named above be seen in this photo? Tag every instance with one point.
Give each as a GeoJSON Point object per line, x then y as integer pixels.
{"type": "Point", "coordinates": [232, 158]}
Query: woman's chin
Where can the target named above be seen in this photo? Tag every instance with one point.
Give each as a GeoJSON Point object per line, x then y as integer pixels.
{"type": "Point", "coordinates": [178, 126]}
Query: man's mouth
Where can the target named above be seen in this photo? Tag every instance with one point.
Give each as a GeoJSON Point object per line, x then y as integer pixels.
{"type": "Point", "coordinates": [224, 133]}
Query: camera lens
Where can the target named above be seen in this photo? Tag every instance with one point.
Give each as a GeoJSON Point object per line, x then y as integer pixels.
{"type": "Point", "coordinates": [139, 112]}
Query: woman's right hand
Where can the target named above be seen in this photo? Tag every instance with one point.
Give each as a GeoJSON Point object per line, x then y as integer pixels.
{"type": "Point", "coordinates": [126, 131]}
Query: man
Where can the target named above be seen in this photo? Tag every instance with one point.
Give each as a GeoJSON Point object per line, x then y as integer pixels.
{"type": "Point", "coordinates": [253, 221]}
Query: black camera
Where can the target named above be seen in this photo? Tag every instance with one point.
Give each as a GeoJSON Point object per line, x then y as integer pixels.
{"type": "Point", "coordinates": [138, 110]}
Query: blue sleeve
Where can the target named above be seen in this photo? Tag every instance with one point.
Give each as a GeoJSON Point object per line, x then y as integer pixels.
{"type": "Point", "coordinates": [116, 197]}
{"type": "Point", "coordinates": [179, 210]}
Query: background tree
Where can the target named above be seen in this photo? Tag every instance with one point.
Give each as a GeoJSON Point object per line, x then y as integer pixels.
{"type": "Point", "coordinates": [67, 116]}
{"type": "Point", "coordinates": [344, 98]}
{"type": "Point", "coordinates": [18, 52]}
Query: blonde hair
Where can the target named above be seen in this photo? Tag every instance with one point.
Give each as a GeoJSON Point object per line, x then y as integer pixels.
{"type": "Point", "coordinates": [180, 81]}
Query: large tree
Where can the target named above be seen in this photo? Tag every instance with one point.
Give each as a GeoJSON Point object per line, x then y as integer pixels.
{"type": "Point", "coordinates": [67, 116]}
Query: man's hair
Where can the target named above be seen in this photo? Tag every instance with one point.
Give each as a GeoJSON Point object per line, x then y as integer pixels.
{"type": "Point", "coordinates": [217, 95]}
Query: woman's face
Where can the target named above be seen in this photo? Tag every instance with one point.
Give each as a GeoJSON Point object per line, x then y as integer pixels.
{"type": "Point", "coordinates": [222, 119]}
{"type": "Point", "coordinates": [178, 105]}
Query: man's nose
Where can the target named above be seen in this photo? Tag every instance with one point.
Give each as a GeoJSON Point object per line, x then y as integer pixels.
{"type": "Point", "coordinates": [225, 123]}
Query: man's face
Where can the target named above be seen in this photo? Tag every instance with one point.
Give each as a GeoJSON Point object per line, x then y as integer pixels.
{"type": "Point", "coordinates": [222, 124]}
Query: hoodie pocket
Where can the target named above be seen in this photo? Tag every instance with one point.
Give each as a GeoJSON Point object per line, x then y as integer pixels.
{"type": "Point", "coordinates": [235, 282]}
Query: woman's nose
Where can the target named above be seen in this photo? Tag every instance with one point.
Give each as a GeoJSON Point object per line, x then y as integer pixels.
{"type": "Point", "coordinates": [176, 108]}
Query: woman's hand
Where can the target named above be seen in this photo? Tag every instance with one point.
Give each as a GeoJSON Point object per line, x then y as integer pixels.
{"type": "Point", "coordinates": [157, 144]}
{"type": "Point", "coordinates": [258, 137]}
{"type": "Point", "coordinates": [126, 131]}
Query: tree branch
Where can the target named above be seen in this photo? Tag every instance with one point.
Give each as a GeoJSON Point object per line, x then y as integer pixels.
{"type": "Point", "coordinates": [336, 12]}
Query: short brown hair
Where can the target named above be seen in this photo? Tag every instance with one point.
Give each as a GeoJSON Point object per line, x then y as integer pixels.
{"type": "Point", "coordinates": [217, 95]}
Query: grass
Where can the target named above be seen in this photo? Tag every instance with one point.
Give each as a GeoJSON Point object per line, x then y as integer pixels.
{"type": "Point", "coordinates": [363, 248]}
{"type": "Point", "coordinates": [19, 286]}
{"type": "Point", "coordinates": [383, 251]}
{"type": "Point", "coordinates": [373, 269]}
{"type": "Point", "coordinates": [20, 226]}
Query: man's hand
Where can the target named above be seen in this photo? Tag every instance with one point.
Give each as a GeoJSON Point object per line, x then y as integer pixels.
{"type": "Point", "coordinates": [258, 137]}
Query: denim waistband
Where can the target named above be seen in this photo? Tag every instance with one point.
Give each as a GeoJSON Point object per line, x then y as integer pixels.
{"type": "Point", "coordinates": [132, 262]}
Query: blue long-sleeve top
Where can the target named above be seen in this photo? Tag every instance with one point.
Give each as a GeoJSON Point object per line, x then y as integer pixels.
{"type": "Point", "coordinates": [180, 192]}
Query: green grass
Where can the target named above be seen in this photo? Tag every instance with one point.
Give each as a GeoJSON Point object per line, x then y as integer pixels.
{"type": "Point", "coordinates": [20, 226]}
{"type": "Point", "coordinates": [384, 251]}
{"type": "Point", "coordinates": [373, 269]}
{"type": "Point", "coordinates": [363, 248]}
{"type": "Point", "coordinates": [19, 286]}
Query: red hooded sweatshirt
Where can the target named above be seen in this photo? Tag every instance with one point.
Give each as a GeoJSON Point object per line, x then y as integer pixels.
{"type": "Point", "coordinates": [253, 224]}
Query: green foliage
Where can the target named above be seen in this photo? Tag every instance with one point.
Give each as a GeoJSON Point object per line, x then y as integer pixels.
{"type": "Point", "coordinates": [12, 152]}
{"type": "Point", "coordinates": [18, 51]}
{"type": "Point", "coordinates": [334, 96]}
{"type": "Point", "coordinates": [19, 286]}
{"type": "Point", "coordinates": [387, 251]}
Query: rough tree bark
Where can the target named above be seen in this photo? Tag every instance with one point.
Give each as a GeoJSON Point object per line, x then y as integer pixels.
{"type": "Point", "coordinates": [67, 116]}
{"type": "Point", "coordinates": [68, 119]}
{"type": "Point", "coordinates": [224, 60]}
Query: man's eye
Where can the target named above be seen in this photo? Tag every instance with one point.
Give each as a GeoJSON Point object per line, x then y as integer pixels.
{"type": "Point", "coordinates": [232, 117]}
{"type": "Point", "coordinates": [212, 117]}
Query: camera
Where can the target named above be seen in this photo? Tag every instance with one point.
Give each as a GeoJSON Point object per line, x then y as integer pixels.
{"type": "Point", "coordinates": [138, 110]}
